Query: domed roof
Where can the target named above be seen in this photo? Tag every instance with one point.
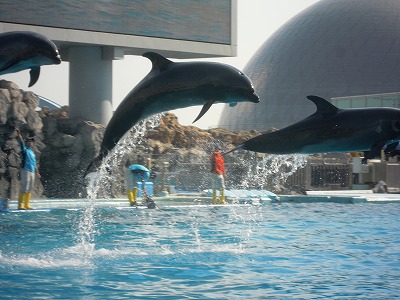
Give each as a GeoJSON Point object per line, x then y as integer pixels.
{"type": "Point", "coordinates": [334, 48]}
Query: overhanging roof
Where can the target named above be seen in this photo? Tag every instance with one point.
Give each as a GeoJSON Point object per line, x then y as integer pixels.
{"type": "Point", "coordinates": [174, 28]}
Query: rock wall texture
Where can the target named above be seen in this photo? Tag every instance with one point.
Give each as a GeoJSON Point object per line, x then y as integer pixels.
{"type": "Point", "coordinates": [17, 109]}
{"type": "Point", "coordinates": [71, 144]}
{"type": "Point", "coordinates": [65, 147]}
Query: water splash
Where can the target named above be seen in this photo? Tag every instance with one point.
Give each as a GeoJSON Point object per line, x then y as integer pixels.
{"type": "Point", "coordinates": [260, 173]}
{"type": "Point", "coordinates": [100, 183]}
{"type": "Point", "coordinates": [110, 170]}
{"type": "Point", "coordinates": [270, 171]}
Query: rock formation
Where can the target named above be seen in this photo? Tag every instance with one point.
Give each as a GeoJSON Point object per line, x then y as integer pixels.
{"type": "Point", "coordinates": [71, 144]}
{"type": "Point", "coordinates": [17, 109]}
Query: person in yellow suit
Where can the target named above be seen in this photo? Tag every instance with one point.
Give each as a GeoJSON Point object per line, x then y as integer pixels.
{"type": "Point", "coordinates": [29, 170]}
{"type": "Point", "coordinates": [134, 174]}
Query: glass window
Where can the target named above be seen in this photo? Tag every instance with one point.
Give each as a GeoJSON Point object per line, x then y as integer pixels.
{"type": "Point", "coordinates": [341, 102]}
{"type": "Point", "coordinates": [389, 101]}
{"type": "Point", "coordinates": [358, 102]}
{"type": "Point", "coordinates": [374, 101]}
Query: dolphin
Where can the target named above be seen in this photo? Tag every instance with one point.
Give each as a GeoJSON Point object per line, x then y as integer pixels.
{"type": "Point", "coordinates": [21, 50]}
{"type": "Point", "coordinates": [331, 129]}
{"type": "Point", "coordinates": [170, 85]}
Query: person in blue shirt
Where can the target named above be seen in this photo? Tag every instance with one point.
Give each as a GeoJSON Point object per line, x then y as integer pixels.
{"type": "Point", "coordinates": [134, 174]}
{"type": "Point", "coordinates": [29, 170]}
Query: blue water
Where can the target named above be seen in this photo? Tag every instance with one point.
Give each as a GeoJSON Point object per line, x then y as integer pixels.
{"type": "Point", "coordinates": [287, 251]}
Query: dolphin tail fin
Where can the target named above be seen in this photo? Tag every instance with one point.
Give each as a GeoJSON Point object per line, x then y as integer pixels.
{"type": "Point", "coordinates": [205, 108]}
{"type": "Point", "coordinates": [234, 149]}
{"type": "Point", "coordinates": [34, 72]}
{"type": "Point", "coordinates": [94, 164]}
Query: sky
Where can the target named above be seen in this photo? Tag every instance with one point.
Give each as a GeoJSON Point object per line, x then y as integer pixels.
{"type": "Point", "coordinates": [257, 20]}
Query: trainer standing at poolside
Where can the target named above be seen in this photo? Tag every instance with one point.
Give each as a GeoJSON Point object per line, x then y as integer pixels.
{"type": "Point", "coordinates": [29, 170]}
{"type": "Point", "coordinates": [133, 175]}
{"type": "Point", "coordinates": [218, 176]}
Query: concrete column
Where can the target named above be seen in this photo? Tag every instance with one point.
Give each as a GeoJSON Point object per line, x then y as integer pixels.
{"type": "Point", "coordinates": [90, 84]}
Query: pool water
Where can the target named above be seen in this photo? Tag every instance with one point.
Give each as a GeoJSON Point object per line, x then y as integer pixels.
{"type": "Point", "coordinates": [286, 251]}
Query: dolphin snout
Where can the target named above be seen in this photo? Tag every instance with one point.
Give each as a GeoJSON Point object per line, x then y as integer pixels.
{"type": "Point", "coordinates": [255, 98]}
{"type": "Point", "coordinates": [57, 59]}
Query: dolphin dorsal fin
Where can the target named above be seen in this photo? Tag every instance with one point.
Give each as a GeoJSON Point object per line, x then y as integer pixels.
{"type": "Point", "coordinates": [323, 106]}
{"type": "Point", "coordinates": [158, 61]}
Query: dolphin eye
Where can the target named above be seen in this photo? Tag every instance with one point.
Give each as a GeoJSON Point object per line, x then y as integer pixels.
{"type": "Point", "coordinates": [396, 125]}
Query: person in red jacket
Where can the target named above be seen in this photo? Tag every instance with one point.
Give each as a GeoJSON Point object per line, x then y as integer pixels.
{"type": "Point", "coordinates": [218, 176]}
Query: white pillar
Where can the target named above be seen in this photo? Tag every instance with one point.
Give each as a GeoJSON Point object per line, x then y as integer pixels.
{"type": "Point", "coordinates": [90, 84]}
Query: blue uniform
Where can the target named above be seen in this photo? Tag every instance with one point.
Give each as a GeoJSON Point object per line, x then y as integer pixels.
{"type": "Point", "coordinates": [28, 171]}
{"type": "Point", "coordinates": [30, 158]}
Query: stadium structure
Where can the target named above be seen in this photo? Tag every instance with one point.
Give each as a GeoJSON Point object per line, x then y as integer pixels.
{"type": "Point", "coordinates": [346, 51]}
{"type": "Point", "coordinates": [91, 34]}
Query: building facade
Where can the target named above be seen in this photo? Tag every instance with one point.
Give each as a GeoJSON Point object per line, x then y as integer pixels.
{"type": "Point", "coordinates": [334, 48]}
{"type": "Point", "coordinates": [90, 34]}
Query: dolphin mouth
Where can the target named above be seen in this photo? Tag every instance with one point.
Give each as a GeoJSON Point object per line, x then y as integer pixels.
{"type": "Point", "coordinates": [255, 98]}
{"type": "Point", "coordinates": [57, 59]}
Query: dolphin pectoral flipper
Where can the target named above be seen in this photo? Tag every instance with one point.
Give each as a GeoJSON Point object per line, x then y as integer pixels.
{"type": "Point", "coordinates": [205, 108]}
{"type": "Point", "coordinates": [34, 72]}
{"type": "Point", "coordinates": [374, 151]}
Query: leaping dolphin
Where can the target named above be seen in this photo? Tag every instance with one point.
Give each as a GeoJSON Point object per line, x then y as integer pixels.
{"type": "Point", "coordinates": [21, 50]}
{"type": "Point", "coordinates": [331, 129]}
{"type": "Point", "coordinates": [171, 85]}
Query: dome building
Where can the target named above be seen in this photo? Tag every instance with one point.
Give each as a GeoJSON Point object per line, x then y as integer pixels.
{"type": "Point", "coordinates": [333, 49]}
